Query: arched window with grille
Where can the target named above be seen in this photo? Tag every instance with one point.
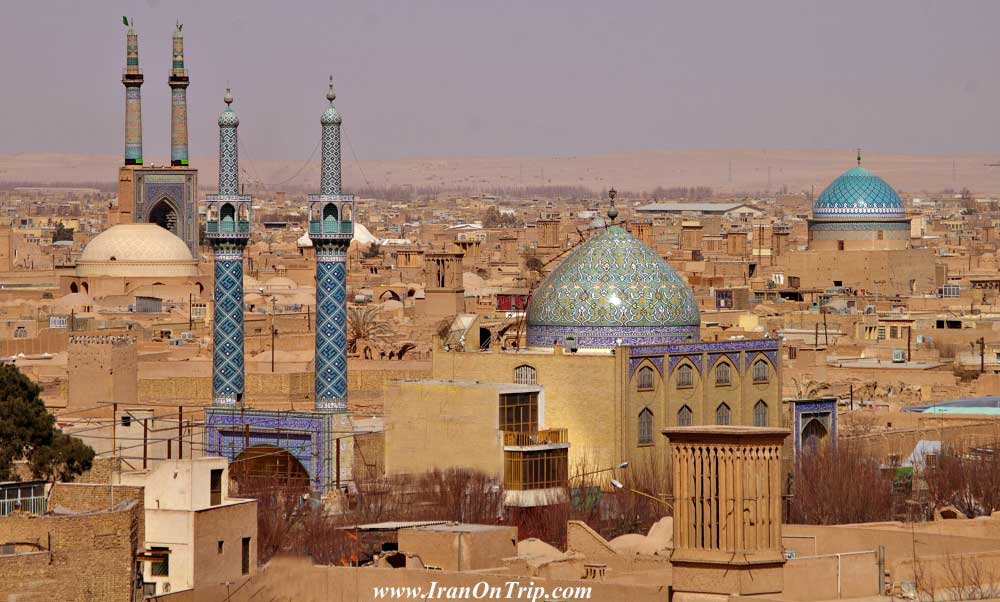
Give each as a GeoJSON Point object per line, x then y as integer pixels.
{"type": "Point", "coordinates": [722, 415]}
{"type": "Point", "coordinates": [646, 427]}
{"type": "Point", "coordinates": [723, 374]}
{"type": "Point", "coordinates": [761, 372]}
{"type": "Point", "coordinates": [524, 375]}
{"type": "Point", "coordinates": [760, 413]}
{"type": "Point", "coordinates": [685, 417]}
{"type": "Point", "coordinates": [685, 378]}
{"type": "Point", "coordinates": [645, 378]}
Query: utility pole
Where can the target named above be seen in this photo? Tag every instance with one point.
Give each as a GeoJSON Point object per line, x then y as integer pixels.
{"type": "Point", "coordinates": [190, 312]}
{"type": "Point", "coordinates": [274, 333]}
{"type": "Point", "coordinates": [114, 430]}
{"type": "Point", "coordinates": [180, 432]}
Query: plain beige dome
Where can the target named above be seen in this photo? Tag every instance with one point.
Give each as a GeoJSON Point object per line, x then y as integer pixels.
{"type": "Point", "coordinates": [136, 250]}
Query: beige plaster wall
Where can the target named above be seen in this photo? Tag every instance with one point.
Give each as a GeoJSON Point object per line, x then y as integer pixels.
{"type": "Point", "coordinates": [458, 550]}
{"type": "Point", "coordinates": [438, 425]}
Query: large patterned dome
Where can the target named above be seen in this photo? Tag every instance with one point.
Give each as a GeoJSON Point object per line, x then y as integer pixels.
{"type": "Point", "coordinates": [613, 287]}
{"type": "Point", "coordinates": [858, 194]}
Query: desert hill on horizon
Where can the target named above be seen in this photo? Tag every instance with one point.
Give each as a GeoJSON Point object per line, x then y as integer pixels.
{"type": "Point", "coordinates": [724, 170]}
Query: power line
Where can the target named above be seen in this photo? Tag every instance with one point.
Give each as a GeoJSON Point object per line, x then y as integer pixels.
{"type": "Point", "coordinates": [302, 167]}
{"type": "Point", "coordinates": [355, 155]}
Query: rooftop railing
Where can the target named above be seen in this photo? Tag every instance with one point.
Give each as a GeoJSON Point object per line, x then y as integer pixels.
{"type": "Point", "coordinates": [544, 437]}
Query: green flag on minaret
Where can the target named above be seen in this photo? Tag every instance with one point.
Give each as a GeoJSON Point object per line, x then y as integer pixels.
{"type": "Point", "coordinates": [125, 21]}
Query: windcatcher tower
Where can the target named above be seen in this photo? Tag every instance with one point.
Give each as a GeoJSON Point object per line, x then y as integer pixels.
{"type": "Point", "coordinates": [727, 483]}
{"type": "Point", "coordinates": [228, 230]}
{"type": "Point", "coordinates": [331, 229]}
{"type": "Point", "coordinates": [178, 82]}
{"type": "Point", "coordinates": [132, 80]}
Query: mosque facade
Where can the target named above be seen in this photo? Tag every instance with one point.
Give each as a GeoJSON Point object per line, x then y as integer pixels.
{"type": "Point", "coordinates": [162, 195]}
{"type": "Point", "coordinates": [613, 338]}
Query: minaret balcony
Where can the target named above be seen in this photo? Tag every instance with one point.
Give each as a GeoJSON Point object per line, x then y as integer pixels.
{"type": "Point", "coordinates": [331, 216]}
{"type": "Point", "coordinates": [227, 227]}
{"type": "Point", "coordinates": [227, 217]}
{"type": "Point", "coordinates": [334, 229]}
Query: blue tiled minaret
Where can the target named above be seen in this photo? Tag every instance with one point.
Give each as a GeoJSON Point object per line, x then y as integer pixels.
{"type": "Point", "coordinates": [228, 230]}
{"type": "Point", "coordinates": [132, 80]}
{"type": "Point", "coordinates": [331, 228]}
{"type": "Point", "coordinates": [178, 82]}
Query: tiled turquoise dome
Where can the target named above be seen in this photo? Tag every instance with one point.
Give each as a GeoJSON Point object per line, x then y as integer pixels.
{"type": "Point", "coordinates": [613, 287]}
{"type": "Point", "coordinates": [858, 194]}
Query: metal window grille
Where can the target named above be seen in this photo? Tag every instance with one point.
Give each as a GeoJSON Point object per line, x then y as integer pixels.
{"type": "Point", "coordinates": [760, 413]}
{"type": "Point", "coordinates": [645, 378]}
{"type": "Point", "coordinates": [722, 415]}
{"type": "Point", "coordinates": [760, 372]}
{"type": "Point", "coordinates": [684, 376]}
{"type": "Point", "coordinates": [519, 412]}
{"type": "Point", "coordinates": [645, 427]}
{"type": "Point", "coordinates": [722, 374]}
{"type": "Point", "coordinates": [524, 375]}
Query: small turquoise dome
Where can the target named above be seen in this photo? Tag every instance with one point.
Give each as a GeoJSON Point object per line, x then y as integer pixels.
{"type": "Point", "coordinates": [858, 194]}
{"type": "Point", "coordinates": [613, 289]}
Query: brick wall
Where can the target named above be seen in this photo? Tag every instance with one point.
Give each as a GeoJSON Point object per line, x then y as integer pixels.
{"type": "Point", "coordinates": [96, 497]}
{"type": "Point", "coordinates": [276, 386]}
{"type": "Point", "coordinates": [91, 556]}
{"type": "Point", "coordinates": [100, 471]}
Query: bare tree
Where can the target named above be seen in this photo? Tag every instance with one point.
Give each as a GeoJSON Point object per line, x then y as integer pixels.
{"type": "Point", "coordinates": [839, 485]}
{"type": "Point", "coordinates": [280, 510]}
{"type": "Point", "coordinates": [969, 481]}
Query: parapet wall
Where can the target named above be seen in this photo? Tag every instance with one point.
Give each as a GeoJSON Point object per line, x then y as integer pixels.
{"type": "Point", "coordinates": [86, 557]}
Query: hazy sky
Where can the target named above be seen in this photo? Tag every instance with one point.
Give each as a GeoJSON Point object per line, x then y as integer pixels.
{"type": "Point", "coordinates": [510, 77]}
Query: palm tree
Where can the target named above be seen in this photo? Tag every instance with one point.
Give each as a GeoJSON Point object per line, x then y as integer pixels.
{"type": "Point", "coordinates": [366, 323]}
